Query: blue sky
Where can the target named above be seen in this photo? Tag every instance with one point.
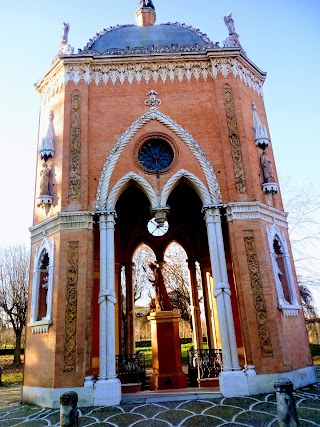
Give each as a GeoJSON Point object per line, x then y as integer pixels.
{"type": "Point", "coordinates": [280, 37]}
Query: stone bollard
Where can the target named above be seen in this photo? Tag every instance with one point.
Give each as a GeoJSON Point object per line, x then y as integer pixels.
{"type": "Point", "coordinates": [68, 409]}
{"type": "Point", "coordinates": [286, 407]}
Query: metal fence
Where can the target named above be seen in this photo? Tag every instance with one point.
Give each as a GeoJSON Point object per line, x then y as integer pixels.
{"type": "Point", "coordinates": [131, 368]}
{"type": "Point", "coordinates": [204, 364]}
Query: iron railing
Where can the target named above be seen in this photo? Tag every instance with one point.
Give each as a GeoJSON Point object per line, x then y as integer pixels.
{"type": "Point", "coordinates": [131, 368]}
{"type": "Point", "coordinates": [203, 364]}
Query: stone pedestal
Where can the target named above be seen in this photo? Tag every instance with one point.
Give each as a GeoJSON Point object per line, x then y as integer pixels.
{"type": "Point", "coordinates": [166, 352]}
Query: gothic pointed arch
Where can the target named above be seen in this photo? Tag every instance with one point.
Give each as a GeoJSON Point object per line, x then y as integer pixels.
{"type": "Point", "coordinates": [282, 272]}
{"type": "Point", "coordinates": [192, 180]}
{"type": "Point", "coordinates": [123, 183]}
{"type": "Point", "coordinates": [42, 287]}
{"type": "Point", "coordinates": [155, 114]}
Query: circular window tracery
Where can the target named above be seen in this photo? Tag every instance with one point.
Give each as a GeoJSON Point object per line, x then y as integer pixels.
{"type": "Point", "coordinates": [155, 154]}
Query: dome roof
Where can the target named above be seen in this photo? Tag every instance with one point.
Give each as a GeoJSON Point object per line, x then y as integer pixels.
{"type": "Point", "coordinates": [136, 39]}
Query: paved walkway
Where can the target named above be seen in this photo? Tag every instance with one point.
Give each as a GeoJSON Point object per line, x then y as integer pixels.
{"type": "Point", "coordinates": [245, 411]}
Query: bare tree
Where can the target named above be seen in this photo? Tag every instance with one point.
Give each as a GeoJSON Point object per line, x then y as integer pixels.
{"type": "Point", "coordinates": [307, 300]}
{"type": "Point", "coordinates": [177, 279]}
{"type": "Point", "coordinates": [303, 206]}
{"type": "Point", "coordinates": [141, 276]}
{"type": "Point", "coordinates": [14, 275]}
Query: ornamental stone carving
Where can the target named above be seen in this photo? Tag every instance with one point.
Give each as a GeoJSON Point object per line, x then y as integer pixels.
{"type": "Point", "coordinates": [258, 295]}
{"type": "Point", "coordinates": [153, 101]}
{"type": "Point", "coordinates": [47, 143]}
{"type": "Point", "coordinates": [205, 68]}
{"type": "Point", "coordinates": [234, 140]}
{"type": "Point", "coordinates": [261, 138]}
{"type": "Point", "coordinates": [71, 308]}
{"type": "Point", "coordinates": [75, 148]}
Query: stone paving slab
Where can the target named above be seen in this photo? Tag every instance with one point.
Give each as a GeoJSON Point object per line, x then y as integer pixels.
{"type": "Point", "coordinates": [250, 411]}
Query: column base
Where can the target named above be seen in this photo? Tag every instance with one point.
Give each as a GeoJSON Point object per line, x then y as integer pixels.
{"type": "Point", "coordinates": [233, 383]}
{"type": "Point", "coordinates": [168, 381]}
{"type": "Point", "coordinates": [239, 383]}
{"type": "Point", "coordinates": [107, 392]}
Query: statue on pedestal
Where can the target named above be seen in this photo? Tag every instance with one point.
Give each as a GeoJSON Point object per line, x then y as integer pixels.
{"type": "Point", "coordinates": [44, 180]}
{"type": "Point", "coordinates": [162, 300]}
{"type": "Point", "coordinates": [266, 167]}
{"type": "Point", "coordinates": [230, 24]}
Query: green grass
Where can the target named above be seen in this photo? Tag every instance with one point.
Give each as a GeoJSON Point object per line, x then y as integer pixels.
{"type": "Point", "coordinates": [148, 354]}
{"type": "Point", "coordinates": [315, 349]}
{"type": "Point", "coordinates": [10, 378]}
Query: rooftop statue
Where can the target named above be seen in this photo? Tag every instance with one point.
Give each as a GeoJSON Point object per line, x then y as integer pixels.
{"type": "Point", "coordinates": [64, 47]}
{"type": "Point", "coordinates": [233, 39]}
{"type": "Point", "coordinates": [146, 3]}
{"type": "Point", "coordinates": [230, 24]}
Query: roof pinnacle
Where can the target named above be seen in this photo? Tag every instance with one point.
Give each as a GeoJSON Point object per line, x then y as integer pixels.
{"type": "Point", "coordinates": [146, 14]}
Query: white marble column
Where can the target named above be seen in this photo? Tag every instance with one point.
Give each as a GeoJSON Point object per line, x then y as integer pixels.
{"type": "Point", "coordinates": [108, 390]}
{"type": "Point", "coordinates": [227, 291]}
{"type": "Point", "coordinates": [222, 291]}
{"type": "Point", "coordinates": [195, 307]}
{"type": "Point", "coordinates": [102, 300]}
{"type": "Point", "coordinates": [111, 298]}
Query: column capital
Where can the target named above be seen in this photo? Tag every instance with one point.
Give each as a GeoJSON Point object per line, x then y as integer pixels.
{"type": "Point", "coordinates": [107, 219]}
{"type": "Point", "coordinates": [212, 214]}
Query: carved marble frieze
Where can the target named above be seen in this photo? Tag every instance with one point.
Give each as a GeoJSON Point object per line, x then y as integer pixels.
{"type": "Point", "coordinates": [234, 140]}
{"type": "Point", "coordinates": [114, 71]}
{"type": "Point", "coordinates": [258, 295]}
{"type": "Point", "coordinates": [71, 308]}
{"type": "Point", "coordinates": [60, 222]}
{"type": "Point", "coordinates": [256, 211]}
{"type": "Point", "coordinates": [75, 148]}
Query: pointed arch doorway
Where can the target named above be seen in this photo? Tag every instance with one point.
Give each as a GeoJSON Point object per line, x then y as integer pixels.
{"type": "Point", "coordinates": [187, 227]}
{"type": "Point", "coordinates": [192, 223]}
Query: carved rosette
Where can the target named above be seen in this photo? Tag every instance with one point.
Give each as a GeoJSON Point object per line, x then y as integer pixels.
{"type": "Point", "coordinates": [234, 141]}
{"type": "Point", "coordinates": [257, 289]}
{"type": "Point", "coordinates": [75, 147]}
{"type": "Point", "coordinates": [71, 308]}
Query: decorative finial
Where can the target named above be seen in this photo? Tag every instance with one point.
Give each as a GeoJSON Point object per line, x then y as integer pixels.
{"type": "Point", "coordinates": [233, 39]}
{"type": "Point", "coordinates": [47, 143]}
{"type": "Point", "coordinates": [261, 138]}
{"type": "Point", "coordinates": [153, 101]}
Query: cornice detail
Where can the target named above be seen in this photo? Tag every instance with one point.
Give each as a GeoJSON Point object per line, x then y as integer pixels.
{"type": "Point", "coordinates": [62, 221]}
{"type": "Point", "coordinates": [256, 210]}
{"type": "Point", "coordinates": [91, 70]}
{"type": "Point", "coordinates": [154, 114]}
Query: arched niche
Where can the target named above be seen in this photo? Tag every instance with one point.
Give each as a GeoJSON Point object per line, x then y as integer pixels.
{"type": "Point", "coordinates": [42, 287]}
{"type": "Point", "coordinates": [282, 272]}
